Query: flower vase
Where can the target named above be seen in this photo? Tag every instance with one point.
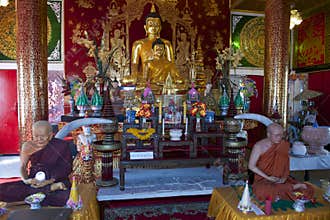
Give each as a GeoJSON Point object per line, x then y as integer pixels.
{"type": "Point", "coordinates": [130, 116]}
{"type": "Point", "coordinates": [82, 110]}
{"type": "Point", "coordinates": [198, 124]}
{"type": "Point", "coordinates": [72, 104]}
{"type": "Point", "coordinates": [209, 118]}
{"type": "Point", "coordinates": [246, 107]}
{"type": "Point", "coordinates": [143, 123]}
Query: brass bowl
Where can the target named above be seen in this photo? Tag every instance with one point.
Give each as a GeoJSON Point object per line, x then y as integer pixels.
{"type": "Point", "coordinates": [232, 126]}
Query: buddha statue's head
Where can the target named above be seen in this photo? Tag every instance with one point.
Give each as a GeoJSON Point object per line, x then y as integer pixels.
{"type": "Point", "coordinates": [158, 48]}
{"type": "Point", "coordinates": [153, 23]}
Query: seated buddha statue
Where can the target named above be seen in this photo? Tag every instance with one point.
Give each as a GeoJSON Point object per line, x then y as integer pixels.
{"type": "Point", "coordinates": [159, 71]}
{"type": "Point", "coordinates": [142, 49]}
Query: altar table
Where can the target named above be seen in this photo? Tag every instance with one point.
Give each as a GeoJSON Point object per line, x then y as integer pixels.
{"type": "Point", "coordinates": [224, 201]}
{"type": "Point", "coordinates": [310, 162]}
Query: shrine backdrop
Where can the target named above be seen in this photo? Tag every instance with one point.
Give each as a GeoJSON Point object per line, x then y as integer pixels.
{"type": "Point", "coordinates": [210, 22]}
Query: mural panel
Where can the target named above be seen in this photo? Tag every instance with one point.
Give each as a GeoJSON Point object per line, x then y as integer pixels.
{"type": "Point", "coordinates": [8, 31]}
{"type": "Point", "coordinates": [248, 34]}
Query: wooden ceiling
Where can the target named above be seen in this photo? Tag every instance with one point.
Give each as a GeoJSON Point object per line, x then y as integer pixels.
{"type": "Point", "coordinates": [305, 7]}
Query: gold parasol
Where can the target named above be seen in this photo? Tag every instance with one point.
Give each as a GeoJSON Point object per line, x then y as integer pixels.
{"type": "Point", "coordinates": [307, 94]}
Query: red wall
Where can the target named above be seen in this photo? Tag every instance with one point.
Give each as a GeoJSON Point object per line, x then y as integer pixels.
{"type": "Point", "coordinates": [9, 136]}
{"type": "Point", "coordinates": [320, 81]}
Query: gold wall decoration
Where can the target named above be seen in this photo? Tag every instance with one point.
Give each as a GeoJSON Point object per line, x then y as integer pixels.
{"type": "Point", "coordinates": [85, 3]}
{"type": "Point", "coordinates": [212, 9]}
{"type": "Point", "coordinates": [252, 41]}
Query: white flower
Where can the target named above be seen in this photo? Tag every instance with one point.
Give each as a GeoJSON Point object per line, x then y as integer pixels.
{"type": "Point", "coordinates": [228, 54]}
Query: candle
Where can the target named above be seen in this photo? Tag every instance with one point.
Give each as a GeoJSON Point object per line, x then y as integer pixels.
{"type": "Point", "coordinates": [186, 129]}
{"type": "Point", "coordinates": [160, 113]}
{"type": "Point", "coordinates": [163, 127]}
{"type": "Point", "coordinates": [184, 112]}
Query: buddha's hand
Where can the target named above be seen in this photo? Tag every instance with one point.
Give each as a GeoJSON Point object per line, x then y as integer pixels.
{"type": "Point", "coordinates": [131, 79]}
{"type": "Point", "coordinates": [179, 81]}
{"type": "Point", "coordinates": [57, 186]}
{"type": "Point", "coordinates": [38, 184]}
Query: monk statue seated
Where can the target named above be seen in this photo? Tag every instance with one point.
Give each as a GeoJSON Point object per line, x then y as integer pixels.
{"type": "Point", "coordinates": [159, 70]}
{"type": "Point", "coordinates": [45, 155]}
{"type": "Point", "coordinates": [270, 163]}
{"type": "Point", "coordinates": [142, 49]}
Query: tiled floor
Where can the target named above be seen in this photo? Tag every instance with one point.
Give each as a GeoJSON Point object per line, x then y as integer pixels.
{"type": "Point", "coordinates": [9, 166]}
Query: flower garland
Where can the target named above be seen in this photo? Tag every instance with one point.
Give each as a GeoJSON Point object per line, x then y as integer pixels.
{"type": "Point", "coordinates": [198, 109]}
{"type": "Point", "coordinates": [141, 134]}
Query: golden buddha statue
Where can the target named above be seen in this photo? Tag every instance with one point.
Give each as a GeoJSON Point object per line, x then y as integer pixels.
{"type": "Point", "coordinates": [160, 72]}
{"type": "Point", "coordinates": [142, 49]}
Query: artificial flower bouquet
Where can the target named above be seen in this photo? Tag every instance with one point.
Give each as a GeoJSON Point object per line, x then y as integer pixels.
{"type": "Point", "coordinates": [198, 109]}
{"type": "Point", "coordinates": [144, 111]}
{"type": "Point", "coordinates": [249, 87]}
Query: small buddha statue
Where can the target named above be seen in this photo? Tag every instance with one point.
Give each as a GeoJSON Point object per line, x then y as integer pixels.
{"type": "Point", "coordinates": [160, 72]}
{"type": "Point", "coordinates": [115, 91]}
{"type": "Point", "coordinates": [142, 51]}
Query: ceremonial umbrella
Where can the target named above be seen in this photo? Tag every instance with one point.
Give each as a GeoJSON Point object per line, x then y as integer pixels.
{"type": "Point", "coordinates": [307, 94]}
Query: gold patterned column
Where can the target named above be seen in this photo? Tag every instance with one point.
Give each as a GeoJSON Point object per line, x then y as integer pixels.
{"type": "Point", "coordinates": [277, 20]}
{"type": "Point", "coordinates": [31, 57]}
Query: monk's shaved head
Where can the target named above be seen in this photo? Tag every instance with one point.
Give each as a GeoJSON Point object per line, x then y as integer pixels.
{"type": "Point", "coordinates": [275, 133]}
{"type": "Point", "coordinates": [274, 126]}
{"type": "Point", "coordinates": [42, 124]}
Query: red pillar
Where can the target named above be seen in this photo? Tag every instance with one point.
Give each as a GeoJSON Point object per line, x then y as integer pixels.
{"type": "Point", "coordinates": [31, 57]}
{"type": "Point", "coordinates": [277, 20]}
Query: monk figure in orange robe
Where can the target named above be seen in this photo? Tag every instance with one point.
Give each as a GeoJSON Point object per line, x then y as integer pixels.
{"type": "Point", "coordinates": [269, 161]}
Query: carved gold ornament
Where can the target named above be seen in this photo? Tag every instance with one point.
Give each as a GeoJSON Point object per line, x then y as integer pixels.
{"type": "Point", "coordinates": [252, 39]}
{"type": "Point", "coordinates": [8, 31]}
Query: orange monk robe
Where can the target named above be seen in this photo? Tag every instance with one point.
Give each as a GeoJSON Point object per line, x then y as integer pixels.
{"type": "Point", "coordinates": [275, 162]}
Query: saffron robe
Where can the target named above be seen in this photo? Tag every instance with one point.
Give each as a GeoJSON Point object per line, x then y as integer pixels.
{"type": "Point", "coordinates": [276, 162]}
{"type": "Point", "coordinates": [55, 160]}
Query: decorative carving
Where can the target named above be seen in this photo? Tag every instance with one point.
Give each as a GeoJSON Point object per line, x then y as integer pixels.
{"type": "Point", "coordinates": [85, 3]}
{"type": "Point", "coordinates": [212, 9]}
{"type": "Point", "coordinates": [253, 41]}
